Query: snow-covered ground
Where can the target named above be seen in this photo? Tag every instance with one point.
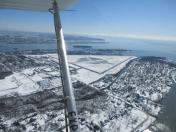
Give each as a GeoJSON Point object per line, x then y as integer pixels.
{"type": "Point", "coordinates": [96, 63]}
{"type": "Point", "coordinates": [87, 71]}
{"type": "Point", "coordinates": [113, 93]}
{"type": "Point", "coordinates": [92, 67]}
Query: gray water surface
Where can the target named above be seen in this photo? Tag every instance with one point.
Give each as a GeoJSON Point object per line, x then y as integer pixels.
{"type": "Point", "coordinates": [167, 115]}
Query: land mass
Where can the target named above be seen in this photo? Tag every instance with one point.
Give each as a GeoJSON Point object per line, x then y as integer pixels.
{"type": "Point", "coordinates": [113, 93]}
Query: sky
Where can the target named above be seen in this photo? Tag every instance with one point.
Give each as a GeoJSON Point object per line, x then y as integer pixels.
{"type": "Point", "coordinates": [150, 19]}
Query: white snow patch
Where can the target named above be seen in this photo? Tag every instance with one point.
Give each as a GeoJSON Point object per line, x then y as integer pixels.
{"type": "Point", "coordinates": [6, 84]}
{"type": "Point", "coordinates": [147, 130]}
{"type": "Point", "coordinates": [96, 63]}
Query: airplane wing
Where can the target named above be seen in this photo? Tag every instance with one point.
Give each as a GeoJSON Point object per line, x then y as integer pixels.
{"type": "Point", "coordinates": [36, 5]}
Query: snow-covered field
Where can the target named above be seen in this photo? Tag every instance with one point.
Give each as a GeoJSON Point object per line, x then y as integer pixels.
{"type": "Point", "coordinates": [87, 70]}
{"type": "Point", "coordinates": [113, 93]}
{"type": "Point", "coordinates": [97, 63]}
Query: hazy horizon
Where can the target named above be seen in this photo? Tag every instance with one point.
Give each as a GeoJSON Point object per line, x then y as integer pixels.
{"type": "Point", "coordinates": [131, 19]}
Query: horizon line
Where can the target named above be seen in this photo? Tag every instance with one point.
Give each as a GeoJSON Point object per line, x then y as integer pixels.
{"type": "Point", "coordinates": [130, 36]}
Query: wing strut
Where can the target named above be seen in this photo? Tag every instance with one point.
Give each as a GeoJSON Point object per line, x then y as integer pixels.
{"type": "Point", "coordinates": [65, 73]}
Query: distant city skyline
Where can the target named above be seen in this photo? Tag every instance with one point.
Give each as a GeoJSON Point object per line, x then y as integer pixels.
{"type": "Point", "coordinates": [144, 19]}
